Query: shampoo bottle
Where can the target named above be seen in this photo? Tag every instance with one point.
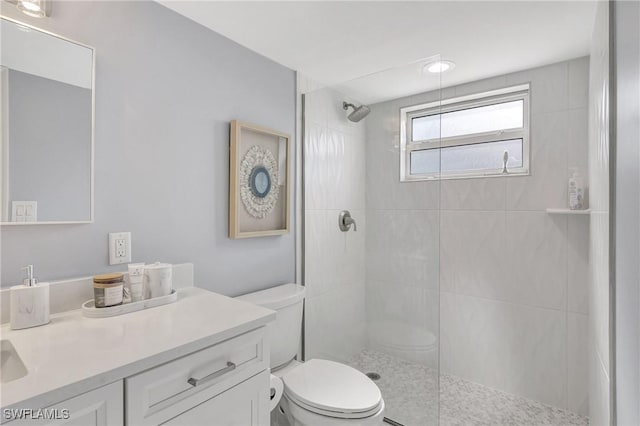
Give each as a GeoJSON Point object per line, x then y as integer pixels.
{"type": "Point", "coordinates": [576, 190]}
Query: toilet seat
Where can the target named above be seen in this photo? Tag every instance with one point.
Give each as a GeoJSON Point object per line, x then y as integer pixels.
{"type": "Point", "coordinates": [332, 389]}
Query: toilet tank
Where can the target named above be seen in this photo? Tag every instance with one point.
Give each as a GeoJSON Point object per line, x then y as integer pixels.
{"type": "Point", "coordinates": [287, 300]}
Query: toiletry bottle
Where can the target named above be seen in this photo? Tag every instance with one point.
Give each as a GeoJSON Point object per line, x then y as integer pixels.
{"type": "Point", "coordinates": [136, 281]}
{"type": "Point", "coordinates": [576, 190]}
{"type": "Point", "coordinates": [29, 302]}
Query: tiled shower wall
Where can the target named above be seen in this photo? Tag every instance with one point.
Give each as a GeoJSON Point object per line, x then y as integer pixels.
{"type": "Point", "coordinates": [598, 349]}
{"type": "Point", "coordinates": [334, 260]}
{"type": "Point", "coordinates": [513, 279]}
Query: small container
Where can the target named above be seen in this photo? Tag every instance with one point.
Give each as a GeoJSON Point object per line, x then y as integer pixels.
{"type": "Point", "coordinates": [136, 281]}
{"type": "Point", "coordinates": [108, 289]}
{"type": "Point", "coordinates": [157, 280]}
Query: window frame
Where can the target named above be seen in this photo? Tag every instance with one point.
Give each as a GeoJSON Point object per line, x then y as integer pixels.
{"type": "Point", "coordinates": [492, 97]}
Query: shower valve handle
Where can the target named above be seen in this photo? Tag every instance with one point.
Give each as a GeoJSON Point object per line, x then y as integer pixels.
{"type": "Point", "coordinates": [345, 221]}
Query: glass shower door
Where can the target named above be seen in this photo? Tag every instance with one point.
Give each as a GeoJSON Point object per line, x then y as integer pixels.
{"type": "Point", "coordinates": [373, 293]}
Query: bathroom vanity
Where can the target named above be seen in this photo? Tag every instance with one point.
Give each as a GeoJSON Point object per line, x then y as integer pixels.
{"type": "Point", "coordinates": [202, 360]}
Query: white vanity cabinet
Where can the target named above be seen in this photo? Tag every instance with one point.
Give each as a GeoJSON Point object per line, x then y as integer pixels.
{"type": "Point", "coordinates": [100, 407]}
{"type": "Point", "coordinates": [224, 384]}
{"type": "Point", "coordinates": [202, 360]}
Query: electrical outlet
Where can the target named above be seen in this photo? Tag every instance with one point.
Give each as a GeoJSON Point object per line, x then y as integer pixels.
{"type": "Point", "coordinates": [119, 248]}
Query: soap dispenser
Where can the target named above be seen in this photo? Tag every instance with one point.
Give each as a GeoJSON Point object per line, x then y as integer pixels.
{"type": "Point", "coordinates": [29, 302]}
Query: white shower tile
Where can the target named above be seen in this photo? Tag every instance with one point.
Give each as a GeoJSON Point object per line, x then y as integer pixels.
{"type": "Point", "coordinates": [317, 269]}
{"type": "Point", "coordinates": [599, 288]}
{"type": "Point", "coordinates": [403, 243]}
{"type": "Point", "coordinates": [546, 186]}
{"type": "Point", "coordinates": [472, 253]}
{"type": "Point", "coordinates": [579, 82]}
{"type": "Point", "coordinates": [578, 373]}
{"type": "Point", "coordinates": [473, 194]}
{"type": "Point", "coordinates": [515, 348]}
{"type": "Point", "coordinates": [314, 108]}
{"type": "Point", "coordinates": [599, 407]}
{"type": "Point", "coordinates": [336, 164]}
{"type": "Point", "coordinates": [355, 172]}
{"type": "Point", "coordinates": [335, 324]}
{"type": "Point", "coordinates": [578, 264]}
{"type": "Point", "coordinates": [578, 142]}
{"type": "Point", "coordinates": [481, 86]}
{"type": "Point", "coordinates": [598, 157]}
{"type": "Point", "coordinates": [393, 301]}
{"type": "Point", "coordinates": [315, 172]}
{"type": "Point", "coordinates": [385, 191]}
{"type": "Point", "coordinates": [537, 259]}
{"type": "Point", "coordinates": [549, 87]}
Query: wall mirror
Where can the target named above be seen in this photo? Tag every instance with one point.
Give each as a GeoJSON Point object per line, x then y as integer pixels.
{"type": "Point", "coordinates": [46, 123]}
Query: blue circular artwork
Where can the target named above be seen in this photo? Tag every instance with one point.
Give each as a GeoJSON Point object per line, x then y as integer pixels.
{"type": "Point", "coordinates": [260, 181]}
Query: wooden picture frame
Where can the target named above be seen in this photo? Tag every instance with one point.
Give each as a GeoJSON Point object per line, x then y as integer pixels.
{"type": "Point", "coordinates": [259, 181]}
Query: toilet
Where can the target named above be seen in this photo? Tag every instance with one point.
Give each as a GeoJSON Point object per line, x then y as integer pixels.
{"type": "Point", "coordinates": [316, 392]}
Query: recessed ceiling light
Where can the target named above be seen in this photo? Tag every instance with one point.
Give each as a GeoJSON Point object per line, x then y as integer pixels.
{"type": "Point", "coordinates": [34, 8]}
{"type": "Point", "coordinates": [438, 66]}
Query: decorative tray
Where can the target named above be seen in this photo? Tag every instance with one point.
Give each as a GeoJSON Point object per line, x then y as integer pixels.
{"type": "Point", "coordinates": [89, 309]}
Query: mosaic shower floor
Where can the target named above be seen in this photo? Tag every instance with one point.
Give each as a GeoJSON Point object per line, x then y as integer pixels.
{"type": "Point", "coordinates": [409, 391]}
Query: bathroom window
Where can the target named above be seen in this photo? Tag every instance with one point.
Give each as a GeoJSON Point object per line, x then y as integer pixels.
{"type": "Point", "coordinates": [479, 135]}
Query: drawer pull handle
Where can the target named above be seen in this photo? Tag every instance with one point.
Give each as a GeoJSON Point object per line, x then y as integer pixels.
{"type": "Point", "coordinates": [195, 382]}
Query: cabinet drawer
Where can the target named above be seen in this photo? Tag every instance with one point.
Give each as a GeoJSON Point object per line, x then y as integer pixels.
{"type": "Point", "coordinates": [246, 404]}
{"type": "Point", "coordinates": [161, 393]}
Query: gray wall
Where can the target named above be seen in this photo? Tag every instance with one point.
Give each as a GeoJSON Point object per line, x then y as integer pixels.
{"type": "Point", "coordinates": [50, 146]}
{"type": "Point", "coordinates": [166, 89]}
{"type": "Point", "coordinates": [627, 211]}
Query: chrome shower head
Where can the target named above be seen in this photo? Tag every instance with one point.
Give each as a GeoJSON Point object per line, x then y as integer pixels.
{"type": "Point", "coordinates": [358, 113]}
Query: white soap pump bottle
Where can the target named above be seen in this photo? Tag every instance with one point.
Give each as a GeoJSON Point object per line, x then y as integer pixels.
{"type": "Point", "coordinates": [29, 302]}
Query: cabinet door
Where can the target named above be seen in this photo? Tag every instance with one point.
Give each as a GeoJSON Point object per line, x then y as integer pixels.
{"type": "Point", "coordinates": [246, 404]}
{"type": "Point", "coordinates": [100, 407]}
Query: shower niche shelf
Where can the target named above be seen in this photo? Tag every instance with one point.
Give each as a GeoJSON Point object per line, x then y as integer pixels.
{"type": "Point", "coordinates": [569, 211]}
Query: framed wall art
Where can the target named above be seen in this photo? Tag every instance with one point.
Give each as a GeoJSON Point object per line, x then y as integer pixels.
{"type": "Point", "coordinates": [259, 176]}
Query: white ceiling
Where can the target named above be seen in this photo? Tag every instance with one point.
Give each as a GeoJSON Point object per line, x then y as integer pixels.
{"type": "Point", "coordinates": [335, 42]}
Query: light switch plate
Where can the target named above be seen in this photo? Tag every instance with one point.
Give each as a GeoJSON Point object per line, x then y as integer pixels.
{"type": "Point", "coordinates": [119, 248]}
{"type": "Point", "coordinates": [24, 211]}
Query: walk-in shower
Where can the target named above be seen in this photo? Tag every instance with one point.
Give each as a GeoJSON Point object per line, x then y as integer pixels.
{"type": "Point", "coordinates": [466, 293]}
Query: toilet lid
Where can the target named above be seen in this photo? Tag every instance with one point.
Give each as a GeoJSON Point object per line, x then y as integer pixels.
{"type": "Point", "coordinates": [332, 387]}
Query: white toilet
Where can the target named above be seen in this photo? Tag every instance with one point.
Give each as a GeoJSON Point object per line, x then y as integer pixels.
{"type": "Point", "coordinates": [317, 392]}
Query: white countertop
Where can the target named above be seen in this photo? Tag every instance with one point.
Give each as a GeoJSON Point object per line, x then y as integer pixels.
{"type": "Point", "coordinates": [73, 354]}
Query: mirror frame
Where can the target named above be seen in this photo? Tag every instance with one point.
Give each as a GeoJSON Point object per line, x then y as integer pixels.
{"type": "Point", "coordinates": [93, 121]}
